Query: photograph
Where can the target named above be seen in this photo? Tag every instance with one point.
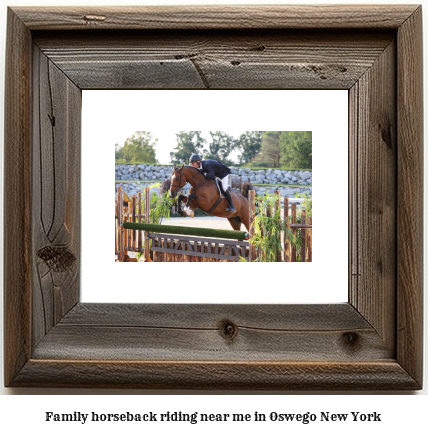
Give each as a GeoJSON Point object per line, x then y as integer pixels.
{"type": "Point", "coordinates": [248, 196]}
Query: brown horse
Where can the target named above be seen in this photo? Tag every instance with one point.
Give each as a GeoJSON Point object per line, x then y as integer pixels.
{"type": "Point", "coordinates": [204, 195]}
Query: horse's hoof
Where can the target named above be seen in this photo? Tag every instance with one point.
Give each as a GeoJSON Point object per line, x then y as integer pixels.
{"type": "Point", "coordinates": [192, 214]}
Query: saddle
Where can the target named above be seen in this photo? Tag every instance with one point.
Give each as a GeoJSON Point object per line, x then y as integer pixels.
{"type": "Point", "coordinates": [222, 196]}
{"type": "Point", "coordinates": [220, 188]}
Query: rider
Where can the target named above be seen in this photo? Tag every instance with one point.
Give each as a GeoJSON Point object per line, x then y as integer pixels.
{"type": "Point", "coordinates": [213, 169]}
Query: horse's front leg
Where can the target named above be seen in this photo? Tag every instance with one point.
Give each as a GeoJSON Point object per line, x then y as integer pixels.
{"type": "Point", "coordinates": [190, 207]}
{"type": "Point", "coordinates": [180, 199]}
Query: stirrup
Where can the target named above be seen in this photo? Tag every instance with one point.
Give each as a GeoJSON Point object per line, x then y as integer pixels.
{"type": "Point", "coordinates": [228, 194]}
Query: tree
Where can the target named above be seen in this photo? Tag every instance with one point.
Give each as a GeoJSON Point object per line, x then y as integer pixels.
{"type": "Point", "coordinates": [119, 154]}
{"type": "Point", "coordinates": [296, 148]}
{"type": "Point", "coordinates": [222, 144]}
{"type": "Point", "coordinates": [139, 148]}
{"type": "Point", "coordinates": [249, 143]}
{"type": "Point", "coordinates": [188, 143]}
{"type": "Point", "coordinates": [270, 150]}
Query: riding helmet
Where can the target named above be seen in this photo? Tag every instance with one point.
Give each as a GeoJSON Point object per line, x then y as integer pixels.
{"type": "Point", "coordinates": [194, 158]}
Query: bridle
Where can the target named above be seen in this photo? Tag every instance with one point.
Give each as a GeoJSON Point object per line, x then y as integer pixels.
{"type": "Point", "coordinates": [179, 186]}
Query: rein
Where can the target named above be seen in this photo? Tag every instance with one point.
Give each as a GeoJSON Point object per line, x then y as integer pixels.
{"type": "Point", "coordinates": [188, 180]}
{"type": "Point", "coordinates": [197, 174]}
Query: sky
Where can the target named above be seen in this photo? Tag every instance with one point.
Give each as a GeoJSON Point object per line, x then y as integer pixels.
{"type": "Point", "coordinates": [167, 142]}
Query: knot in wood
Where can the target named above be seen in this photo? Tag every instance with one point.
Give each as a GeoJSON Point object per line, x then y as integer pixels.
{"type": "Point", "coordinates": [351, 340]}
{"type": "Point", "coordinates": [58, 259]}
{"type": "Point", "coordinates": [259, 48]}
{"type": "Point", "coordinates": [386, 134]}
{"type": "Point", "coordinates": [94, 18]}
{"type": "Point", "coordinates": [228, 330]}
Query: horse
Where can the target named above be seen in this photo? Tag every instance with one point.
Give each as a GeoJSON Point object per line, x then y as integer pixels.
{"type": "Point", "coordinates": [204, 194]}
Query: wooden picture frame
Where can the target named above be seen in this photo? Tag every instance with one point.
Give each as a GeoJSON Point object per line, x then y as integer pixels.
{"type": "Point", "coordinates": [372, 342]}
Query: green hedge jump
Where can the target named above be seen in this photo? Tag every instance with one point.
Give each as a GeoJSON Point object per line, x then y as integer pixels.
{"type": "Point", "coordinates": [184, 230]}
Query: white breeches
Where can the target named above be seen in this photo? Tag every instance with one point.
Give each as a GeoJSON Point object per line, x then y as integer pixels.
{"type": "Point", "coordinates": [225, 182]}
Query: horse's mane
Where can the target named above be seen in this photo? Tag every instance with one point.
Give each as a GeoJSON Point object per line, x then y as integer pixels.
{"type": "Point", "coordinates": [192, 168]}
{"type": "Point", "coordinates": [179, 169]}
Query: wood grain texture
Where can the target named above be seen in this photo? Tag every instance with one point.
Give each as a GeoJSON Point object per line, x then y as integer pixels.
{"type": "Point", "coordinates": [410, 196]}
{"type": "Point", "coordinates": [373, 177]}
{"type": "Point", "coordinates": [372, 342]}
{"type": "Point", "coordinates": [216, 17]}
{"type": "Point", "coordinates": [56, 194]}
{"type": "Point", "coordinates": [197, 332]}
{"type": "Point", "coordinates": [17, 199]}
{"type": "Point", "coordinates": [376, 375]}
{"type": "Point", "coordinates": [216, 59]}
{"type": "Point", "coordinates": [341, 317]}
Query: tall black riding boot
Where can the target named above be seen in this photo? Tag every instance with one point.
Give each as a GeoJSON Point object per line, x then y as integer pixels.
{"type": "Point", "coordinates": [228, 195]}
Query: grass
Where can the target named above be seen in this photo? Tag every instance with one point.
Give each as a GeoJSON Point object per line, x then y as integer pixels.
{"type": "Point", "coordinates": [284, 185]}
{"type": "Point", "coordinates": [138, 180]}
{"type": "Point", "coordinates": [293, 169]}
{"type": "Point", "coordinates": [146, 164]}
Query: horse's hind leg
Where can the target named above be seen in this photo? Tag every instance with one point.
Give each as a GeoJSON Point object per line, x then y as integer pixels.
{"type": "Point", "coordinates": [235, 222]}
{"type": "Point", "coordinates": [245, 213]}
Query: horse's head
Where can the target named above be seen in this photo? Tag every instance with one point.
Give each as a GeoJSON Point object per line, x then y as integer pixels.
{"type": "Point", "coordinates": [178, 180]}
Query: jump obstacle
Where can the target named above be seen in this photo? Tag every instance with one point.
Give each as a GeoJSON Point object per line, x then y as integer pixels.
{"type": "Point", "coordinates": [170, 243]}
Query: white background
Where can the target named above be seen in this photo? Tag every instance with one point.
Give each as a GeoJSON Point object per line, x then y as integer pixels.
{"type": "Point", "coordinates": [325, 113]}
{"type": "Point", "coordinates": [399, 412]}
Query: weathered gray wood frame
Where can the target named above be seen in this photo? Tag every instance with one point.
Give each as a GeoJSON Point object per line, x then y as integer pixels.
{"type": "Point", "coordinates": [372, 342]}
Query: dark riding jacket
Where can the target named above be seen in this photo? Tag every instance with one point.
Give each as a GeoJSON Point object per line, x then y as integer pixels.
{"type": "Point", "coordinates": [212, 169]}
